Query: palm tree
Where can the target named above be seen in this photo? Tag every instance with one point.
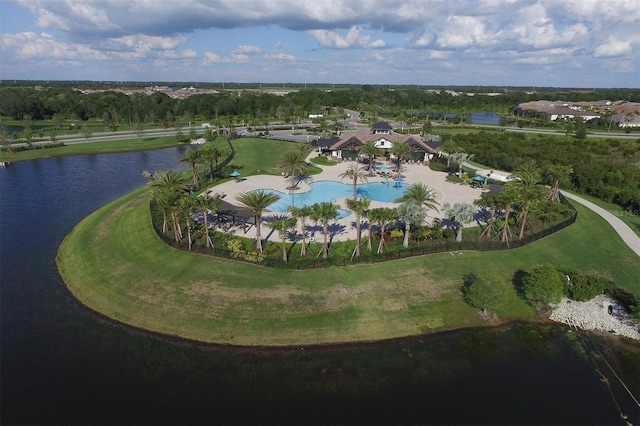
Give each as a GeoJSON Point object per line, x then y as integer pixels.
{"type": "Point", "coordinates": [411, 214]}
{"type": "Point", "coordinates": [165, 199]}
{"type": "Point", "coordinates": [402, 152]}
{"type": "Point", "coordinates": [528, 192]}
{"type": "Point", "coordinates": [282, 223]}
{"type": "Point", "coordinates": [168, 179]}
{"type": "Point", "coordinates": [449, 147]}
{"type": "Point", "coordinates": [354, 172]}
{"type": "Point", "coordinates": [554, 174]}
{"type": "Point", "coordinates": [505, 200]}
{"type": "Point", "coordinates": [206, 204]}
{"type": "Point", "coordinates": [367, 214]}
{"type": "Point", "coordinates": [460, 158]}
{"type": "Point", "coordinates": [370, 150]}
{"type": "Point", "coordinates": [421, 195]}
{"type": "Point", "coordinates": [359, 208]}
{"type": "Point", "coordinates": [488, 200]}
{"type": "Point", "coordinates": [294, 164]}
{"type": "Point", "coordinates": [186, 206]}
{"type": "Point", "coordinates": [382, 216]}
{"type": "Point", "coordinates": [193, 157]}
{"type": "Point", "coordinates": [323, 213]}
{"type": "Point", "coordinates": [210, 155]}
{"type": "Point", "coordinates": [167, 187]}
{"type": "Point", "coordinates": [426, 128]}
{"type": "Point", "coordinates": [257, 202]}
{"type": "Point", "coordinates": [302, 213]}
{"type": "Point", "coordinates": [461, 213]}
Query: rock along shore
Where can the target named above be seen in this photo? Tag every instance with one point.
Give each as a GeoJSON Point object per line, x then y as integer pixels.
{"type": "Point", "coordinates": [601, 313]}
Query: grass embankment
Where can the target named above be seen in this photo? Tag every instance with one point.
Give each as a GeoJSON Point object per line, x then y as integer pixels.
{"type": "Point", "coordinates": [92, 148]}
{"type": "Point", "coordinates": [115, 264]}
{"type": "Point", "coordinates": [630, 218]}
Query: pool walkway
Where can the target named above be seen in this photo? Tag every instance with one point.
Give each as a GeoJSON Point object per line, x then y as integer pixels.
{"type": "Point", "coordinates": [345, 228]}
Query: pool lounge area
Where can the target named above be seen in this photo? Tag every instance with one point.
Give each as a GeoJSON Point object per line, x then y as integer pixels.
{"type": "Point", "coordinates": [327, 186]}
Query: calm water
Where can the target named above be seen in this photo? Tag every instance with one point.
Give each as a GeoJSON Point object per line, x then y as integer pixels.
{"type": "Point", "coordinates": [485, 118]}
{"type": "Point", "coordinates": [66, 365]}
{"type": "Point", "coordinates": [323, 191]}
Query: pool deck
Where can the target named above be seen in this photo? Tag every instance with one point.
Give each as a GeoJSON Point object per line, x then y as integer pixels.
{"type": "Point", "coordinates": [344, 229]}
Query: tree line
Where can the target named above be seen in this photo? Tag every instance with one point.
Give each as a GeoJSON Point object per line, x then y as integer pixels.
{"type": "Point", "coordinates": [408, 103]}
{"type": "Point", "coordinates": [604, 168]}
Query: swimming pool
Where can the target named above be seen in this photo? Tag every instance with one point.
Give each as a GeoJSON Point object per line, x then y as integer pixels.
{"type": "Point", "coordinates": [330, 190]}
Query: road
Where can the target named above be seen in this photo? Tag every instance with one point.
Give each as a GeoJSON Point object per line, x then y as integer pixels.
{"type": "Point", "coordinates": [604, 135]}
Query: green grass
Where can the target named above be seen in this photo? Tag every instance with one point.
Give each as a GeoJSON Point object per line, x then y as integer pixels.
{"type": "Point", "coordinates": [261, 156]}
{"type": "Point", "coordinates": [631, 219]}
{"type": "Point", "coordinates": [92, 148]}
{"type": "Point", "coordinates": [438, 130]}
{"type": "Point", "coordinates": [323, 161]}
{"type": "Point", "coordinates": [114, 263]}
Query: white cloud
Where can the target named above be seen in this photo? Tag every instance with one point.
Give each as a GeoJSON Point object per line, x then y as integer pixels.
{"type": "Point", "coordinates": [352, 40]}
{"type": "Point", "coordinates": [613, 47]}
{"type": "Point", "coordinates": [146, 42]}
{"type": "Point", "coordinates": [247, 49]}
{"type": "Point", "coordinates": [210, 58]}
{"type": "Point", "coordinates": [29, 45]}
{"type": "Point", "coordinates": [563, 36]}
{"type": "Point", "coordinates": [462, 32]}
{"type": "Point", "coordinates": [279, 56]}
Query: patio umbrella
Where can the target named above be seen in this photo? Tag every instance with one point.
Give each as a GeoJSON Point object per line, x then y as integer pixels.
{"type": "Point", "coordinates": [235, 173]}
{"type": "Point", "coordinates": [480, 179]}
{"type": "Point", "coordinates": [399, 180]}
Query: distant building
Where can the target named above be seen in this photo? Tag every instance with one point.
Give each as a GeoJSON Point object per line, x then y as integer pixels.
{"type": "Point", "coordinates": [628, 119]}
{"type": "Point", "coordinates": [625, 114]}
{"type": "Point", "coordinates": [382, 134]}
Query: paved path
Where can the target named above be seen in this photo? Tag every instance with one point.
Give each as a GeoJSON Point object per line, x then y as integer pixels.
{"type": "Point", "coordinates": [630, 238]}
{"type": "Point", "coordinates": [626, 233]}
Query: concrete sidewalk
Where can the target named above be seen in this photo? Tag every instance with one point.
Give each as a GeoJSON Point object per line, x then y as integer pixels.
{"type": "Point", "coordinates": [630, 238]}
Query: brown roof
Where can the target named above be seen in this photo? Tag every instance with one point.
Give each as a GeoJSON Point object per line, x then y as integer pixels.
{"type": "Point", "coordinates": [354, 141]}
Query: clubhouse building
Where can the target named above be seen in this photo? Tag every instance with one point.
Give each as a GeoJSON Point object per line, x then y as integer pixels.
{"type": "Point", "coordinates": [347, 147]}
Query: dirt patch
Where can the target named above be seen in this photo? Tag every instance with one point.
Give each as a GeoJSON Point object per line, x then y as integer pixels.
{"type": "Point", "coordinates": [122, 269]}
{"type": "Point", "coordinates": [336, 299]}
{"type": "Point", "coordinates": [489, 317]}
{"type": "Point", "coordinates": [216, 291]}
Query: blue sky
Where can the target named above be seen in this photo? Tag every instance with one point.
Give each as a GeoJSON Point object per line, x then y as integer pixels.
{"type": "Point", "coordinates": [561, 43]}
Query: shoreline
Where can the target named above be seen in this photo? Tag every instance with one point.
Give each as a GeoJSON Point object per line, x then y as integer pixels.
{"type": "Point", "coordinates": [594, 315]}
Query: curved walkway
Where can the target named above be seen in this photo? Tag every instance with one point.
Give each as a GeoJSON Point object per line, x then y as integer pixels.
{"type": "Point", "coordinates": [629, 237]}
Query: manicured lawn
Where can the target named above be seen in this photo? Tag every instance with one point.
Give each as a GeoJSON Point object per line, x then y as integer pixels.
{"type": "Point", "coordinates": [260, 156]}
{"type": "Point", "coordinates": [92, 148]}
{"type": "Point", "coordinates": [323, 161]}
{"type": "Point", "coordinates": [631, 218]}
{"type": "Point", "coordinates": [114, 263]}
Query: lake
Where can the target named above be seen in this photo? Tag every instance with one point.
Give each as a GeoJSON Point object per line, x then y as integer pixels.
{"type": "Point", "coordinates": [485, 118]}
{"type": "Point", "coordinates": [64, 364]}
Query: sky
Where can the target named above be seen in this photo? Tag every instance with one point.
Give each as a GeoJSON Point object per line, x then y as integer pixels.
{"type": "Point", "coordinates": [550, 43]}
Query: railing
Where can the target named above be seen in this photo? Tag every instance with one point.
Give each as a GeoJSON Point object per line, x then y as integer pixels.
{"type": "Point", "coordinates": [429, 247]}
